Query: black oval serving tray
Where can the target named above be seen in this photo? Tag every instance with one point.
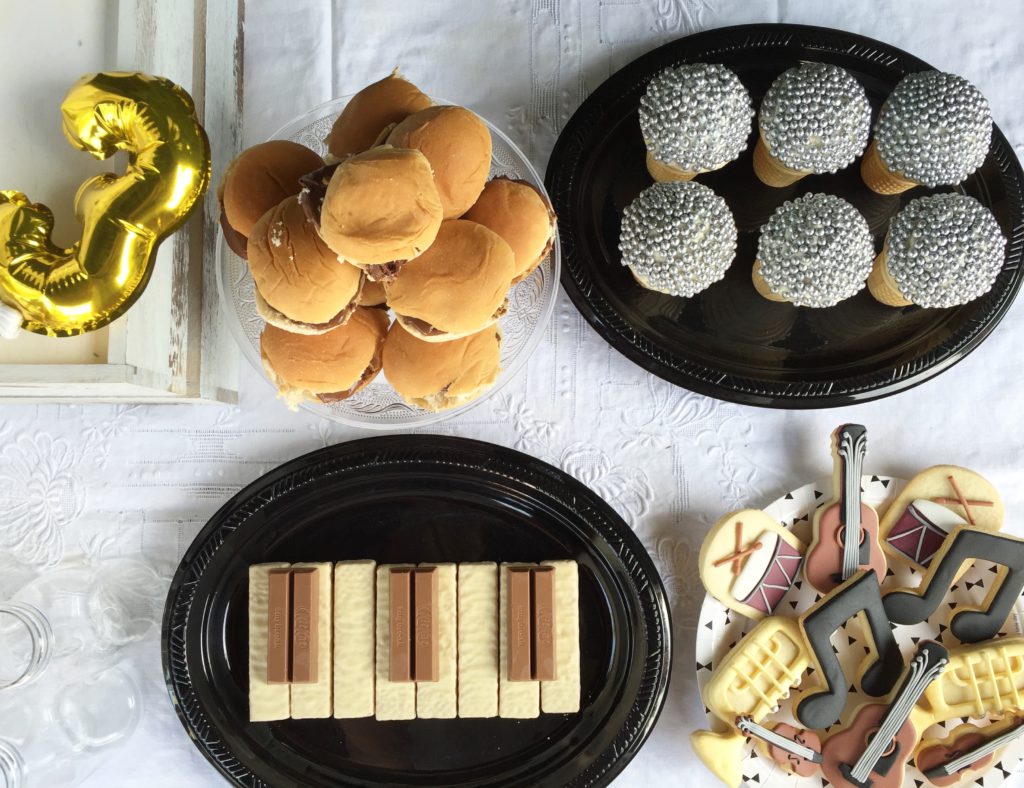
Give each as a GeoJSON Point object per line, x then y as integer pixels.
{"type": "Point", "coordinates": [728, 342]}
{"type": "Point", "coordinates": [419, 498]}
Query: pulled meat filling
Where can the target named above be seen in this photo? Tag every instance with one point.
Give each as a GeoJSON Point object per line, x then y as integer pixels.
{"type": "Point", "coordinates": [314, 190]}
{"type": "Point", "coordinates": [427, 330]}
{"type": "Point", "coordinates": [236, 242]}
{"type": "Point", "coordinates": [384, 272]}
{"type": "Point", "coordinates": [368, 373]}
{"type": "Point", "coordinates": [338, 320]}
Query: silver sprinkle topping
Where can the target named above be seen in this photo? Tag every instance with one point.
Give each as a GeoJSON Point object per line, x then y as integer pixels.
{"type": "Point", "coordinates": [944, 250]}
{"type": "Point", "coordinates": [934, 128]}
{"type": "Point", "coordinates": [815, 117]}
{"type": "Point", "coordinates": [678, 237]}
{"type": "Point", "coordinates": [816, 250]}
{"type": "Point", "coordinates": [696, 117]}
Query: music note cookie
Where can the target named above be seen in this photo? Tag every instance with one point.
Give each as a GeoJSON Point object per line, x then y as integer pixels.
{"type": "Point", "coordinates": [877, 673]}
{"type": "Point", "coordinates": [748, 562]}
{"type": "Point", "coordinates": [970, 624]}
{"type": "Point", "coordinates": [932, 504]}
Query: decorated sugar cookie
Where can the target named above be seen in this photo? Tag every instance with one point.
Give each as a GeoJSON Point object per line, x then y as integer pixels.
{"type": "Point", "coordinates": [967, 752]}
{"type": "Point", "coordinates": [932, 504]}
{"type": "Point", "coordinates": [971, 624]}
{"type": "Point", "coordinates": [859, 597]}
{"type": "Point", "coordinates": [746, 687]}
{"type": "Point", "coordinates": [846, 531]}
{"type": "Point", "coordinates": [748, 562]}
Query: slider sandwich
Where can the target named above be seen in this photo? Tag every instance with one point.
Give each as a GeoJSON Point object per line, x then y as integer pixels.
{"type": "Point", "coordinates": [300, 284]}
{"type": "Point", "coordinates": [380, 209]}
{"type": "Point", "coordinates": [325, 367]}
{"type": "Point", "coordinates": [455, 288]}
{"type": "Point", "coordinates": [441, 375]}
{"type": "Point", "coordinates": [257, 180]}
{"type": "Point", "coordinates": [373, 111]}
{"type": "Point", "coordinates": [521, 215]}
{"type": "Point", "coordinates": [458, 146]}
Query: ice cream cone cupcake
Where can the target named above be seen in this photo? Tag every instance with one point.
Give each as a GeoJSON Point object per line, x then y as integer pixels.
{"type": "Point", "coordinates": [677, 238]}
{"type": "Point", "coordinates": [941, 251]}
{"type": "Point", "coordinates": [815, 118]}
{"type": "Point", "coordinates": [814, 251]}
{"type": "Point", "coordinates": [934, 129]}
{"type": "Point", "coordinates": [694, 118]}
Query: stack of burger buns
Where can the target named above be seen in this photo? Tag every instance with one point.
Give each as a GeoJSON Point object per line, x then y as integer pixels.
{"type": "Point", "coordinates": [399, 217]}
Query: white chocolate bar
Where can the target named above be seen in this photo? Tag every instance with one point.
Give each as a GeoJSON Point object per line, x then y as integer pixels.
{"type": "Point", "coordinates": [439, 699]}
{"type": "Point", "coordinates": [516, 699]}
{"type": "Point", "coordinates": [478, 640]}
{"type": "Point", "coordinates": [355, 591]}
{"type": "Point", "coordinates": [313, 701]}
{"type": "Point", "coordinates": [266, 701]}
{"type": "Point", "coordinates": [396, 700]}
{"type": "Point", "coordinates": [562, 695]}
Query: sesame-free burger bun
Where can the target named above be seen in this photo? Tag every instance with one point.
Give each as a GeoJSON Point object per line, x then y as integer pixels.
{"type": "Point", "coordinates": [458, 146]}
{"type": "Point", "coordinates": [373, 294]}
{"type": "Point", "coordinates": [441, 375]}
{"type": "Point", "coordinates": [521, 215]}
{"type": "Point", "coordinates": [456, 287]}
{"type": "Point", "coordinates": [300, 284]}
{"type": "Point", "coordinates": [325, 367]}
{"type": "Point", "coordinates": [380, 206]}
{"type": "Point", "coordinates": [370, 111]}
{"type": "Point", "coordinates": [260, 177]}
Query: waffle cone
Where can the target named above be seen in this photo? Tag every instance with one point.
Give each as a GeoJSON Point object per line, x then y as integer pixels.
{"type": "Point", "coordinates": [880, 178]}
{"type": "Point", "coordinates": [662, 172]}
{"type": "Point", "coordinates": [761, 286]}
{"type": "Point", "coordinates": [770, 170]}
{"type": "Point", "coordinates": [882, 286]}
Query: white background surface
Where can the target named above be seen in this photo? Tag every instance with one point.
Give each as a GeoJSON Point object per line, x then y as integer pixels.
{"type": "Point", "coordinates": [141, 481]}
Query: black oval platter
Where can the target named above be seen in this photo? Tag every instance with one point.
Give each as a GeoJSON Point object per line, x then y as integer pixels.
{"type": "Point", "coordinates": [419, 498]}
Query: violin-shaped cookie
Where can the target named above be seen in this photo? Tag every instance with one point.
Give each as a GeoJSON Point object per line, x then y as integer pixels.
{"type": "Point", "coordinates": [968, 749]}
{"type": "Point", "coordinates": [846, 531]}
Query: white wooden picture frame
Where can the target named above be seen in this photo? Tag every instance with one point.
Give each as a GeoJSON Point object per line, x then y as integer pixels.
{"type": "Point", "coordinates": [174, 344]}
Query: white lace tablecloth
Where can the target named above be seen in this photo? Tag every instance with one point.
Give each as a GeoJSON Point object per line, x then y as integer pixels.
{"type": "Point", "coordinates": [136, 481]}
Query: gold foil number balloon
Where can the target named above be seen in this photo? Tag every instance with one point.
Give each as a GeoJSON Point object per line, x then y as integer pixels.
{"type": "Point", "coordinates": [63, 292]}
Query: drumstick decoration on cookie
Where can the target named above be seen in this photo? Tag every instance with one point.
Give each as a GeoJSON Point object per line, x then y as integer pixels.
{"type": "Point", "coordinates": [932, 504]}
{"type": "Point", "coordinates": [845, 532]}
{"type": "Point", "coordinates": [748, 562]}
{"type": "Point", "coordinates": [873, 750]}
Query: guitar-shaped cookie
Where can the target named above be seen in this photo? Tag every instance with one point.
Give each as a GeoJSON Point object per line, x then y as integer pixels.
{"type": "Point", "coordinates": [846, 531]}
{"type": "Point", "coordinates": [968, 748]}
{"type": "Point", "coordinates": [873, 750]}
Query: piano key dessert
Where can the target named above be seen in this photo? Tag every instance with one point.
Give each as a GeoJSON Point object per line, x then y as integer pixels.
{"type": "Point", "coordinates": [407, 641]}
